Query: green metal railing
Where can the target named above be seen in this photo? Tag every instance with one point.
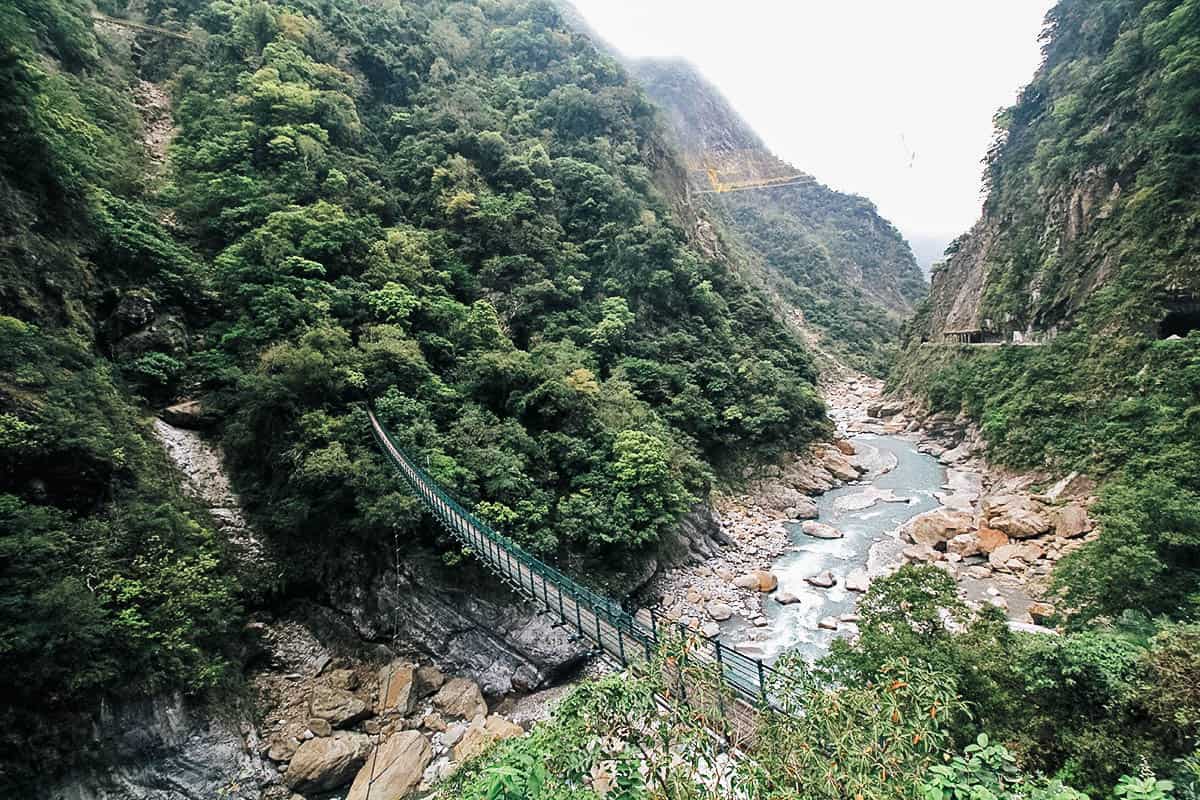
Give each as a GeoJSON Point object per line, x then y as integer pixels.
{"type": "Point", "coordinates": [620, 635]}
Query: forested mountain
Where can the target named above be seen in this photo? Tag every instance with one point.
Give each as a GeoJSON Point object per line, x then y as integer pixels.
{"type": "Point", "coordinates": [827, 253]}
{"type": "Point", "coordinates": [448, 210]}
{"type": "Point", "coordinates": [1089, 251]}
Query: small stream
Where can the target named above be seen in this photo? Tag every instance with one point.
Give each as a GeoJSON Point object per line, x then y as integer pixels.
{"type": "Point", "coordinates": [869, 514]}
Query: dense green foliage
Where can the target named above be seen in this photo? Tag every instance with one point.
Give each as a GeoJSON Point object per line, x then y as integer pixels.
{"type": "Point", "coordinates": [445, 209]}
{"type": "Point", "coordinates": [1093, 200]}
{"type": "Point", "coordinates": [828, 254]}
{"type": "Point", "coordinates": [893, 714]}
{"type": "Point", "coordinates": [840, 263]}
{"type": "Point", "coordinates": [451, 215]}
{"type": "Point", "coordinates": [1085, 707]}
{"type": "Point", "coordinates": [109, 580]}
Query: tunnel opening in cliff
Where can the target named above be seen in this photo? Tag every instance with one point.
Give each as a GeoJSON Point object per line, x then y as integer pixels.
{"type": "Point", "coordinates": [1179, 323]}
{"type": "Point", "coordinates": [1183, 315]}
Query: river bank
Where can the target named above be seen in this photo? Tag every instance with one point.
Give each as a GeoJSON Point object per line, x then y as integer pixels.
{"type": "Point", "coordinates": [896, 486]}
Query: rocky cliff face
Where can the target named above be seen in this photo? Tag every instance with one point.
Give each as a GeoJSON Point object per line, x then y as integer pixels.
{"type": "Point", "coordinates": [1091, 181]}
{"type": "Point", "coordinates": [974, 288]}
{"type": "Point", "coordinates": [171, 747]}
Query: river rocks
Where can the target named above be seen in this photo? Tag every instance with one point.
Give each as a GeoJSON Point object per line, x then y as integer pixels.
{"type": "Point", "coordinates": [822, 580]}
{"type": "Point", "coordinates": [482, 733]}
{"type": "Point", "coordinates": [920, 552]}
{"type": "Point", "coordinates": [760, 580]}
{"type": "Point", "coordinates": [988, 539]}
{"type": "Point", "coordinates": [1073, 485]}
{"type": "Point", "coordinates": [324, 764]}
{"type": "Point", "coordinates": [1070, 521]}
{"type": "Point", "coordinates": [1002, 557]}
{"type": "Point", "coordinates": [320, 727]}
{"type": "Point", "coordinates": [394, 769]}
{"type": "Point", "coordinates": [778, 497]}
{"type": "Point", "coordinates": [710, 629]}
{"type": "Point", "coordinates": [805, 510]}
{"type": "Point", "coordinates": [1019, 516]}
{"type": "Point", "coordinates": [396, 688]}
{"type": "Point", "coordinates": [828, 623]}
{"type": "Point", "coordinates": [719, 611]}
{"type": "Point", "coordinates": [837, 464]}
{"type": "Point", "coordinates": [885, 410]}
{"type": "Point", "coordinates": [1040, 612]}
{"type": "Point", "coordinates": [819, 530]}
{"type": "Point", "coordinates": [339, 707]}
{"type": "Point", "coordinates": [963, 545]}
{"type": "Point", "coordinates": [858, 581]}
{"type": "Point", "coordinates": [935, 527]}
{"type": "Point", "coordinates": [460, 697]}
{"type": "Point", "coordinates": [846, 446]}
{"type": "Point", "coordinates": [785, 598]}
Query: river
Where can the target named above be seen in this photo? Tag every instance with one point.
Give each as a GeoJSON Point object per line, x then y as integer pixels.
{"type": "Point", "coordinates": [901, 484]}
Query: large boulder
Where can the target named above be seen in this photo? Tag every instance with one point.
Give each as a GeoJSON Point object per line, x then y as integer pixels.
{"type": "Point", "coordinates": [397, 689]}
{"type": "Point", "coordinates": [719, 611]}
{"type": "Point", "coordinates": [460, 697]}
{"type": "Point", "coordinates": [189, 414]}
{"type": "Point", "coordinates": [780, 497]}
{"type": "Point", "coordinates": [1070, 521]}
{"type": "Point", "coordinates": [822, 580]}
{"type": "Point", "coordinates": [964, 544]}
{"type": "Point", "coordinates": [337, 706]}
{"type": "Point", "coordinates": [808, 477]}
{"type": "Point", "coordinates": [837, 464]}
{"type": "Point", "coordinates": [1073, 485]}
{"type": "Point", "coordinates": [760, 580]}
{"type": "Point", "coordinates": [1019, 516]}
{"type": "Point", "coordinates": [936, 527]}
{"type": "Point", "coordinates": [1004, 555]}
{"type": "Point", "coordinates": [1040, 612]}
{"type": "Point", "coordinates": [402, 684]}
{"type": "Point", "coordinates": [327, 763]}
{"type": "Point", "coordinates": [394, 770]}
{"type": "Point", "coordinates": [988, 539]}
{"type": "Point", "coordinates": [805, 509]}
{"type": "Point", "coordinates": [482, 733]}
{"type": "Point", "coordinates": [819, 530]}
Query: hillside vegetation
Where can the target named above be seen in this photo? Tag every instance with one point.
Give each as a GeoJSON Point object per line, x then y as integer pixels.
{"type": "Point", "coordinates": [1089, 243]}
{"type": "Point", "coordinates": [445, 209]}
{"type": "Point", "coordinates": [826, 253]}
{"type": "Point", "coordinates": [933, 700]}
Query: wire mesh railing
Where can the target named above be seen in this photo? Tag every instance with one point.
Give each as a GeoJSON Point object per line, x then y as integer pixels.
{"type": "Point", "coordinates": [622, 636]}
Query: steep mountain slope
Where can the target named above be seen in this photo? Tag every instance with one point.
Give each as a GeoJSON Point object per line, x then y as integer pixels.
{"type": "Point", "coordinates": [1089, 248]}
{"type": "Point", "coordinates": [829, 254]}
{"type": "Point", "coordinates": [449, 210]}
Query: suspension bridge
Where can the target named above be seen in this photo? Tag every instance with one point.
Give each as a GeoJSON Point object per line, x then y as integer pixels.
{"type": "Point", "coordinates": [622, 637]}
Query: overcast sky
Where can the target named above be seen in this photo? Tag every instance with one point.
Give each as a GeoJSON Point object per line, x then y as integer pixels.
{"type": "Point", "coordinates": [891, 99]}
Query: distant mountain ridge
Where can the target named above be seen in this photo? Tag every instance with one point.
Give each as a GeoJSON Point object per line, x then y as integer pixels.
{"type": "Point", "coordinates": [829, 254]}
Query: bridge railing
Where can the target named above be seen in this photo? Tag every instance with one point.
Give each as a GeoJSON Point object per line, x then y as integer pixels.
{"type": "Point", "coordinates": [749, 678]}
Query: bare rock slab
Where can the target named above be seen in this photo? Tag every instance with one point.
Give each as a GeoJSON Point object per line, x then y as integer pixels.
{"type": "Point", "coordinates": [327, 763]}
{"type": "Point", "coordinates": [819, 530]}
{"type": "Point", "coordinates": [394, 771]}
